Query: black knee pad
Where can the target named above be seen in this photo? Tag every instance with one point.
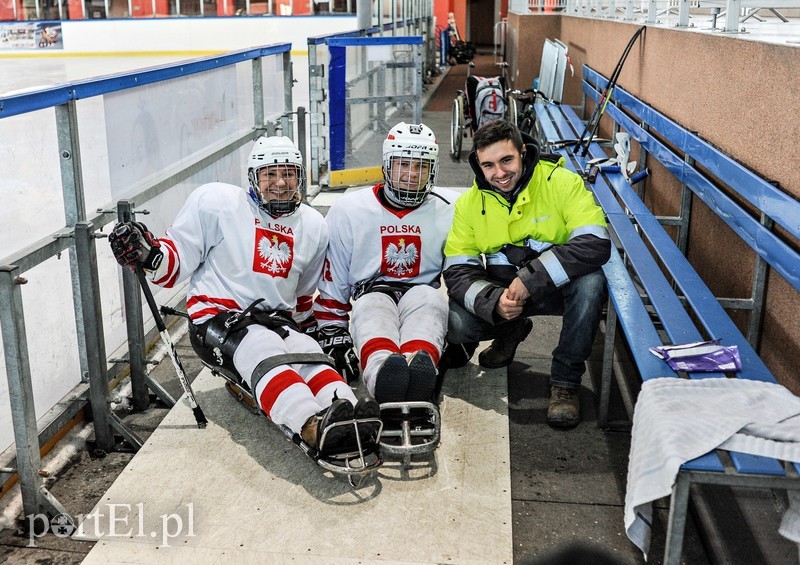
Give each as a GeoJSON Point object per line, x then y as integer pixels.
{"type": "Point", "coordinates": [215, 343]}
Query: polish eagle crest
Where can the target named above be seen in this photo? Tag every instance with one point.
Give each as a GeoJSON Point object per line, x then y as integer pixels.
{"type": "Point", "coordinates": [401, 258]}
{"type": "Point", "coordinates": [275, 255]}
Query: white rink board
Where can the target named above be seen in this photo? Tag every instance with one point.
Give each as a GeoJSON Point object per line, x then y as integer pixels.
{"type": "Point", "coordinates": [256, 498]}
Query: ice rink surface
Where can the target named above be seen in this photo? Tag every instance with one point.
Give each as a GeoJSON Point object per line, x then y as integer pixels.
{"type": "Point", "coordinates": [32, 73]}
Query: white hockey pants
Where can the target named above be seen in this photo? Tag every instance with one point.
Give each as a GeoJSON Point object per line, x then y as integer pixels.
{"type": "Point", "coordinates": [289, 394]}
{"type": "Point", "coordinates": [380, 327]}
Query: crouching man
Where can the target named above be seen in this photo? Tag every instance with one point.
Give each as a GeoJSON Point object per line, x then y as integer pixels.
{"type": "Point", "coordinates": [527, 239]}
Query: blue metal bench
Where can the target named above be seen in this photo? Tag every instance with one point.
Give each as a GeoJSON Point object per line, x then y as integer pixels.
{"type": "Point", "coordinates": [655, 295]}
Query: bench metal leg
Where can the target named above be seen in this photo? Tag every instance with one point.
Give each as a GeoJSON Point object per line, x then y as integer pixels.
{"type": "Point", "coordinates": [608, 363]}
{"type": "Point", "coordinates": [677, 520]}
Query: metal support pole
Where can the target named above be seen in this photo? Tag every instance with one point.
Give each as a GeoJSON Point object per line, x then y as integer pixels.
{"type": "Point", "coordinates": [652, 12]}
{"type": "Point", "coordinates": [628, 11]}
{"type": "Point", "coordinates": [316, 94]}
{"type": "Point", "coordinates": [92, 334]}
{"type": "Point", "coordinates": [286, 126]}
{"type": "Point", "coordinates": [35, 497]}
{"type": "Point", "coordinates": [686, 213]}
{"type": "Point", "coordinates": [363, 14]}
{"type": "Point", "coordinates": [288, 83]}
{"type": "Point", "coordinates": [758, 294]}
{"type": "Point", "coordinates": [301, 139]}
{"type": "Point", "coordinates": [734, 7]}
{"type": "Point", "coordinates": [418, 69]}
{"type": "Point", "coordinates": [134, 323]}
{"type": "Point", "coordinates": [683, 13]}
{"type": "Point", "coordinates": [258, 94]}
{"type": "Point", "coordinates": [678, 507]}
{"type": "Point", "coordinates": [607, 371]}
{"type": "Point", "coordinates": [69, 150]}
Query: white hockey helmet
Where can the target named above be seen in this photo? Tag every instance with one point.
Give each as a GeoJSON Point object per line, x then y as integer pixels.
{"type": "Point", "coordinates": [283, 162]}
{"type": "Point", "coordinates": [410, 164]}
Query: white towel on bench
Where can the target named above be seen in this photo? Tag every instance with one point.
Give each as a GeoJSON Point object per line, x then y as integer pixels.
{"type": "Point", "coordinates": [677, 420]}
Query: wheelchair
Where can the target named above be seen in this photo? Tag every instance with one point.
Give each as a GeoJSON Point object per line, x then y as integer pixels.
{"type": "Point", "coordinates": [463, 118]}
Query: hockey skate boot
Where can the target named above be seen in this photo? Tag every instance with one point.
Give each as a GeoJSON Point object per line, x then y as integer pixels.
{"type": "Point", "coordinates": [368, 417]}
{"type": "Point", "coordinates": [391, 382]}
{"type": "Point", "coordinates": [501, 352]}
{"type": "Point", "coordinates": [412, 426]}
{"type": "Point", "coordinates": [421, 377]}
{"type": "Point", "coordinates": [323, 433]}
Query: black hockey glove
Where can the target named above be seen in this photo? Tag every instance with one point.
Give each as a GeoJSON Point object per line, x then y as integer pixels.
{"type": "Point", "coordinates": [134, 246]}
{"type": "Point", "coordinates": [336, 342]}
{"type": "Point", "coordinates": [310, 327]}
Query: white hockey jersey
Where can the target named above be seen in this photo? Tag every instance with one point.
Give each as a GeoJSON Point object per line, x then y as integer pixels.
{"type": "Point", "coordinates": [235, 253]}
{"type": "Point", "coordinates": [370, 240]}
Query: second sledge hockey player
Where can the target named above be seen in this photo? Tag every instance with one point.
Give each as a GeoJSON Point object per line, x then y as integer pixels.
{"type": "Point", "coordinates": [386, 253]}
{"type": "Point", "coordinates": [253, 258]}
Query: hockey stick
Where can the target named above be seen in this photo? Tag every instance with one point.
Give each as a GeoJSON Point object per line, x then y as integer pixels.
{"type": "Point", "coordinates": [594, 120]}
{"type": "Point", "coordinates": [162, 329]}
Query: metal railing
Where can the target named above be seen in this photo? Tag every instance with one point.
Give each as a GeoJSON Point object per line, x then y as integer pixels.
{"type": "Point", "coordinates": [416, 19]}
{"type": "Point", "coordinates": [238, 106]}
{"type": "Point", "coordinates": [732, 12]}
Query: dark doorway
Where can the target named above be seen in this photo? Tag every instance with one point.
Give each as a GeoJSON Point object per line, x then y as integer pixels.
{"type": "Point", "coordinates": [481, 22]}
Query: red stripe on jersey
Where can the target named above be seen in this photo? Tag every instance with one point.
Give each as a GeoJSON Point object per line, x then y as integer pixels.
{"type": "Point", "coordinates": [421, 345]}
{"type": "Point", "coordinates": [172, 263]}
{"type": "Point", "coordinates": [377, 344]}
{"type": "Point", "coordinates": [334, 304]}
{"type": "Point", "coordinates": [304, 303]}
{"type": "Point", "coordinates": [399, 212]}
{"type": "Point", "coordinates": [226, 303]}
{"type": "Point", "coordinates": [323, 379]}
{"type": "Point", "coordinates": [328, 316]}
{"type": "Point", "coordinates": [276, 385]}
{"type": "Point", "coordinates": [197, 314]}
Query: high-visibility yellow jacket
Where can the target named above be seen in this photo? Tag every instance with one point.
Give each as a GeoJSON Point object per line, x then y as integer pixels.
{"type": "Point", "coordinates": [551, 233]}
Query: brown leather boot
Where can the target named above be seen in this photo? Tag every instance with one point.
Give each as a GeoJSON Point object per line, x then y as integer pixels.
{"type": "Point", "coordinates": [501, 352]}
{"type": "Point", "coordinates": [564, 410]}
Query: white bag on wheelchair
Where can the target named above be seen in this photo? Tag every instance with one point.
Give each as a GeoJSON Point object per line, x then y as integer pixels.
{"type": "Point", "coordinates": [489, 102]}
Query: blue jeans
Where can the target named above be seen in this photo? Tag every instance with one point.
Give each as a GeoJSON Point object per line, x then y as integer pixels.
{"type": "Point", "coordinates": [580, 303]}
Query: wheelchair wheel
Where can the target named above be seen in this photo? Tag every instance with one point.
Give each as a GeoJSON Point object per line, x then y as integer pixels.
{"type": "Point", "coordinates": [457, 127]}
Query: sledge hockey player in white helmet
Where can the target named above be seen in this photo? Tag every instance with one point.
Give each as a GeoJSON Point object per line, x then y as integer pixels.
{"type": "Point", "coordinates": [253, 258]}
{"type": "Point", "coordinates": [386, 253]}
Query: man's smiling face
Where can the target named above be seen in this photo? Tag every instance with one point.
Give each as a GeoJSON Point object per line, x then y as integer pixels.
{"type": "Point", "coordinates": [501, 164]}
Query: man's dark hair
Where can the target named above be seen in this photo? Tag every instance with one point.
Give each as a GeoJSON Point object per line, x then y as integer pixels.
{"type": "Point", "coordinates": [494, 131]}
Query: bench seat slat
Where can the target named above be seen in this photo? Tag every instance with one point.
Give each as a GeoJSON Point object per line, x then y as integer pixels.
{"type": "Point", "coordinates": [634, 319]}
{"type": "Point", "coordinates": [746, 463]}
{"type": "Point", "coordinates": [708, 462]}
